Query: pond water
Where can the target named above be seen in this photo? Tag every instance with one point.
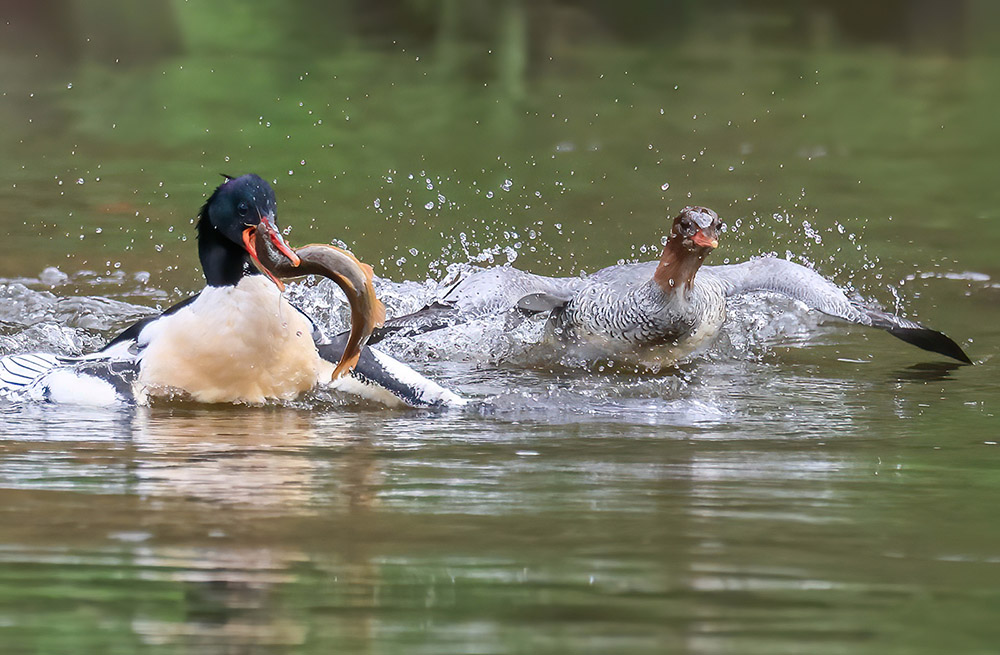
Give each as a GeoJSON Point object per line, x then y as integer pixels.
{"type": "Point", "coordinates": [806, 486]}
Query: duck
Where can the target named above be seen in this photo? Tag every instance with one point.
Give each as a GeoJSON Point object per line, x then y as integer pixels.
{"type": "Point", "coordinates": [656, 313]}
{"type": "Point", "coordinates": [238, 340]}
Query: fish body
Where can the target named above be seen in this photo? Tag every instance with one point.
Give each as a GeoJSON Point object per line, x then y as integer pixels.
{"type": "Point", "coordinates": [351, 275]}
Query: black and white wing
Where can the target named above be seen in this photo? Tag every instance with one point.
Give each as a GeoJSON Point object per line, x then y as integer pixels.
{"type": "Point", "coordinates": [379, 377]}
{"type": "Point", "coordinates": [47, 377]}
{"type": "Point", "coordinates": [101, 378]}
{"type": "Point", "coordinates": [18, 372]}
{"type": "Point", "coordinates": [816, 292]}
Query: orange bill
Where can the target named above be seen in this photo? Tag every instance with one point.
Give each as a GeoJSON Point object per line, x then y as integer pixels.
{"type": "Point", "coordinates": [705, 241]}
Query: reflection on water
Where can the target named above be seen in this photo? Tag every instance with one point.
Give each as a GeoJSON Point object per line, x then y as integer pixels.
{"type": "Point", "coordinates": [707, 509]}
{"type": "Point", "coordinates": [282, 527]}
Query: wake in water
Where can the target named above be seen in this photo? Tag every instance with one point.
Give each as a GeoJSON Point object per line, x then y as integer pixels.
{"type": "Point", "coordinates": [651, 315]}
{"type": "Point", "coordinates": [35, 318]}
{"type": "Point", "coordinates": [511, 369]}
{"type": "Point", "coordinates": [505, 363]}
{"type": "Point", "coordinates": [755, 323]}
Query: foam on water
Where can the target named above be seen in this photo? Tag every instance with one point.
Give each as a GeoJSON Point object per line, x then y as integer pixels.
{"type": "Point", "coordinates": [754, 322]}
{"type": "Point", "coordinates": [510, 366]}
{"type": "Point", "coordinates": [505, 363]}
{"type": "Point", "coordinates": [32, 319]}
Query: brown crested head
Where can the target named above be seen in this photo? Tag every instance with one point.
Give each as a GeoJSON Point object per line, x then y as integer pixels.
{"type": "Point", "coordinates": [697, 228]}
{"type": "Point", "coordinates": [694, 234]}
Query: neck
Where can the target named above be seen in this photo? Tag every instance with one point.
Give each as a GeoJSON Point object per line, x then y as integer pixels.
{"type": "Point", "coordinates": [223, 262]}
{"type": "Point", "coordinates": [678, 266]}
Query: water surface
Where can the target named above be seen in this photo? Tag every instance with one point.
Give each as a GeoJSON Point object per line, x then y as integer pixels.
{"type": "Point", "coordinates": [804, 487]}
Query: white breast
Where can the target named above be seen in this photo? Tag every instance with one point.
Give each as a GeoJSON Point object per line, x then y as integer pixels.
{"type": "Point", "coordinates": [232, 344]}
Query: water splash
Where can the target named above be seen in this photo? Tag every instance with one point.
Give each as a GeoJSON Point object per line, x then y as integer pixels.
{"type": "Point", "coordinates": [507, 362]}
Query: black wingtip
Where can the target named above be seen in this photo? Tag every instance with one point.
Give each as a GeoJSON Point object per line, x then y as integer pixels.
{"type": "Point", "coordinates": [932, 340]}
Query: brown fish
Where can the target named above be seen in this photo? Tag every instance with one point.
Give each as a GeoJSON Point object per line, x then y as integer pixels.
{"type": "Point", "coordinates": [352, 276]}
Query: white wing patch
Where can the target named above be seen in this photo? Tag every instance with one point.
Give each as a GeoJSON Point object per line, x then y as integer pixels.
{"type": "Point", "coordinates": [68, 386]}
{"type": "Point", "coordinates": [40, 376]}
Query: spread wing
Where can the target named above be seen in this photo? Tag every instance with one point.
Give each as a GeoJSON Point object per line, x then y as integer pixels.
{"type": "Point", "coordinates": [815, 291]}
{"type": "Point", "coordinates": [482, 292]}
{"type": "Point", "coordinates": [434, 316]}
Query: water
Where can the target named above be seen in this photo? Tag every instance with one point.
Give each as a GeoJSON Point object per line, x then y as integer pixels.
{"type": "Point", "coordinates": [804, 487]}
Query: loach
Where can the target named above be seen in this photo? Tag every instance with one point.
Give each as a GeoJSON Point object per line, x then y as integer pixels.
{"type": "Point", "coordinates": [352, 276]}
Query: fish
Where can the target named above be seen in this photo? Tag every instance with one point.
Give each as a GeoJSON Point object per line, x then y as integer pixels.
{"type": "Point", "coordinates": [354, 277]}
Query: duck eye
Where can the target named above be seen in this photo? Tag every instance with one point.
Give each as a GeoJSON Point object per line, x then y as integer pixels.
{"type": "Point", "coordinates": [242, 208]}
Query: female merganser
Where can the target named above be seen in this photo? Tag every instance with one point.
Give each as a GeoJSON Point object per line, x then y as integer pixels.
{"type": "Point", "coordinates": [654, 313]}
{"type": "Point", "coordinates": [238, 340]}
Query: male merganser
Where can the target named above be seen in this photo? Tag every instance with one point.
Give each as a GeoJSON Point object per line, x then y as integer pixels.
{"type": "Point", "coordinates": [238, 340]}
{"type": "Point", "coordinates": [654, 313]}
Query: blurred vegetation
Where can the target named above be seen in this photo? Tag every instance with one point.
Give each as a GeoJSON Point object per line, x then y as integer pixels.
{"type": "Point", "coordinates": [117, 29]}
{"type": "Point", "coordinates": [563, 130]}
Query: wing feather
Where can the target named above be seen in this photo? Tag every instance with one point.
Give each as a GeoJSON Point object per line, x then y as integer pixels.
{"type": "Point", "coordinates": [816, 292]}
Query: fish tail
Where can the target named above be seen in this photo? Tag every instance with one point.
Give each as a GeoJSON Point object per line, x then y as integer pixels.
{"type": "Point", "coordinates": [345, 365]}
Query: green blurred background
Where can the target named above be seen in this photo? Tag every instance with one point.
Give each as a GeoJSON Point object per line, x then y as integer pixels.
{"type": "Point", "coordinates": [426, 132]}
